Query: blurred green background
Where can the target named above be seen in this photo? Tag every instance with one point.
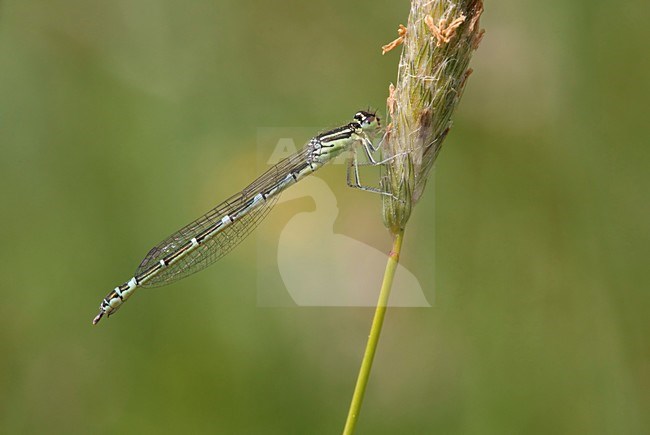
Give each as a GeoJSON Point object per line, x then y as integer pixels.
{"type": "Point", "coordinates": [120, 121]}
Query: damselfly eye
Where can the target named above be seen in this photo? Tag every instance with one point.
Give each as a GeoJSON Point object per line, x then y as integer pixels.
{"type": "Point", "coordinates": [366, 119]}
{"type": "Point", "coordinates": [375, 120]}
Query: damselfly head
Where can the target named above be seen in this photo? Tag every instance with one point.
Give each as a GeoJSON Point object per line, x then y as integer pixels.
{"type": "Point", "coordinates": [368, 121]}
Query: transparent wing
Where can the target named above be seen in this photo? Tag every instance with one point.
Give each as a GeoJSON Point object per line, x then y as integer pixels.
{"type": "Point", "coordinates": [207, 252]}
{"type": "Point", "coordinates": [214, 248]}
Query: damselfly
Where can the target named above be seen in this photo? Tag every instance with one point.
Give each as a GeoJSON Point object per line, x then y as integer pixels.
{"type": "Point", "coordinates": [210, 237]}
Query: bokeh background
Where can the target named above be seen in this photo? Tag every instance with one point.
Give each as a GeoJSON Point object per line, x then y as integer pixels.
{"type": "Point", "coordinates": [121, 121]}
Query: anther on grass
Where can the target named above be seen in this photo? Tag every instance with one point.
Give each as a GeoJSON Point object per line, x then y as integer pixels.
{"type": "Point", "coordinates": [390, 101]}
{"type": "Point", "coordinates": [401, 31]}
{"type": "Point", "coordinates": [443, 31]}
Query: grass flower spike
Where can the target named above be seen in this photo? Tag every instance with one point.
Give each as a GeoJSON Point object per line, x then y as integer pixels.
{"type": "Point", "coordinates": [438, 43]}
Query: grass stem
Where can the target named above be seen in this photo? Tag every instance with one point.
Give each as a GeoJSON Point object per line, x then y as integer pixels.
{"type": "Point", "coordinates": [373, 338]}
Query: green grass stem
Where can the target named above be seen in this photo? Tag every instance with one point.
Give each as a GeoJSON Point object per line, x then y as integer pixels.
{"type": "Point", "coordinates": [373, 338]}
